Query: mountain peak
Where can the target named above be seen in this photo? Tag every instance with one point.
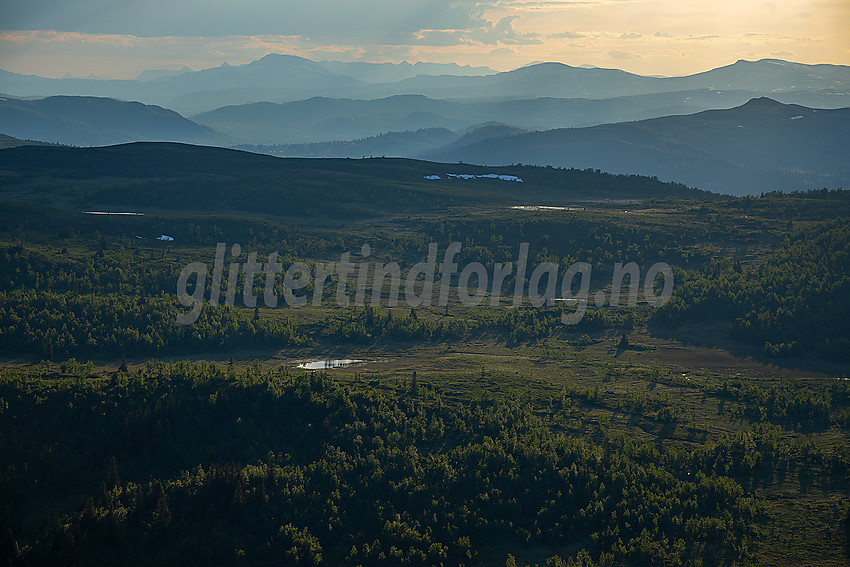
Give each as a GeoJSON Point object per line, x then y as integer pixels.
{"type": "Point", "coordinates": [766, 61]}
{"type": "Point", "coordinates": [547, 65]}
{"type": "Point", "coordinates": [275, 58]}
{"type": "Point", "coordinates": [283, 61]}
{"type": "Point", "coordinates": [279, 57]}
{"type": "Point", "coordinates": [763, 101]}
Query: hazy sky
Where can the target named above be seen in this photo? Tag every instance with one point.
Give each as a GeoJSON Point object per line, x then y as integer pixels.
{"type": "Point", "coordinates": [116, 38]}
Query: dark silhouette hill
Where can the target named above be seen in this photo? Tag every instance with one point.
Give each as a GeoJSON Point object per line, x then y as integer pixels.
{"type": "Point", "coordinates": [180, 177]}
{"type": "Point", "coordinates": [88, 121]}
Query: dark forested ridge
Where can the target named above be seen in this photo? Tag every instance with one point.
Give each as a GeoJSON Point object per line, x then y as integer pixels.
{"type": "Point", "coordinates": [192, 178]}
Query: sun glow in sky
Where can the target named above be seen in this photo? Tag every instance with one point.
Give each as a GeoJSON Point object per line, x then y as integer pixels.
{"type": "Point", "coordinates": [114, 38]}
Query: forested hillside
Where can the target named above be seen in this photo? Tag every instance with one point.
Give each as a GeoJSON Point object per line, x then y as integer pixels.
{"type": "Point", "coordinates": [793, 302]}
{"type": "Point", "coordinates": [261, 466]}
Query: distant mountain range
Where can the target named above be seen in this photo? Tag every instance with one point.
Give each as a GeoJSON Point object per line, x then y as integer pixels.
{"type": "Point", "coordinates": [332, 119]}
{"type": "Point", "coordinates": [714, 130]}
{"type": "Point", "coordinates": [767, 76]}
{"type": "Point", "coordinates": [760, 146]}
{"type": "Point", "coordinates": [274, 77]}
{"type": "Point", "coordinates": [286, 78]}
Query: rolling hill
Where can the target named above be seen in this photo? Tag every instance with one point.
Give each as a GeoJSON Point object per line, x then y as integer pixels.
{"type": "Point", "coordinates": [178, 177]}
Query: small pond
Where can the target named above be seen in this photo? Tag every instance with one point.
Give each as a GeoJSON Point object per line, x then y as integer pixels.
{"type": "Point", "coordinates": [330, 363]}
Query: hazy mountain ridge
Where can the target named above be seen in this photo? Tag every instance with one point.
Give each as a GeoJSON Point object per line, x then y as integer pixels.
{"type": "Point", "coordinates": [760, 146]}
{"type": "Point", "coordinates": [273, 77]}
{"type": "Point", "coordinates": [393, 72]}
{"type": "Point", "coordinates": [411, 143]}
{"type": "Point", "coordinates": [391, 144]}
{"type": "Point", "coordinates": [152, 74]}
{"type": "Point", "coordinates": [766, 77]}
{"type": "Point", "coordinates": [284, 78]}
{"type": "Point", "coordinates": [322, 119]}
{"type": "Point", "coordinates": [327, 119]}
{"type": "Point", "coordinates": [754, 75]}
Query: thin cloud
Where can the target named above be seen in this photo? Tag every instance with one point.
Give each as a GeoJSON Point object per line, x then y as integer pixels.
{"type": "Point", "coordinates": [566, 35]}
{"type": "Point", "coordinates": [621, 55]}
{"type": "Point", "coordinates": [53, 36]}
{"type": "Point", "coordinates": [119, 38]}
{"type": "Point", "coordinates": [487, 33]}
